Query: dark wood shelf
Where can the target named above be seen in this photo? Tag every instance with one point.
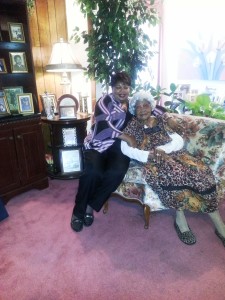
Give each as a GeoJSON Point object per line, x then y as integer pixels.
{"type": "Point", "coordinates": [15, 11]}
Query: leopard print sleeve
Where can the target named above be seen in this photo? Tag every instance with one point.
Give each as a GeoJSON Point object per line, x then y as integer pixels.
{"type": "Point", "coordinates": [134, 128]}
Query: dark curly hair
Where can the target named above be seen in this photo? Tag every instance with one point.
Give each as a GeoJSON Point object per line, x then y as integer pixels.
{"type": "Point", "coordinates": [120, 77]}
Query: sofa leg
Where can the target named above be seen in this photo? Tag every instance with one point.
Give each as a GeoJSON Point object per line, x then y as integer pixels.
{"type": "Point", "coordinates": [106, 207]}
{"type": "Point", "coordinates": [146, 215]}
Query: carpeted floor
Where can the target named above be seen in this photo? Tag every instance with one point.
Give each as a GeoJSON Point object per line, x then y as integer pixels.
{"type": "Point", "coordinates": [116, 258]}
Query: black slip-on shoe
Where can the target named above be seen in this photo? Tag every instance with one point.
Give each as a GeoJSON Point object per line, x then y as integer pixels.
{"type": "Point", "coordinates": [88, 219]}
{"type": "Point", "coordinates": [76, 224]}
{"type": "Point", "coordinates": [186, 237]}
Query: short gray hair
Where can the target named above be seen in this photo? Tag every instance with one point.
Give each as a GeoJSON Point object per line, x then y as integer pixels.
{"type": "Point", "coordinates": [141, 96]}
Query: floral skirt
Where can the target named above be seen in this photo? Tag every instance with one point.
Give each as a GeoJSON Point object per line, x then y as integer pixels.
{"type": "Point", "coordinates": [183, 182]}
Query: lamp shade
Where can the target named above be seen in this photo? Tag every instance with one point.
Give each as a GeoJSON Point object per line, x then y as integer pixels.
{"type": "Point", "coordinates": [62, 58]}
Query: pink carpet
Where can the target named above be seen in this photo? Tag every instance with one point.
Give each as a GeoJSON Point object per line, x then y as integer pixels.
{"type": "Point", "coordinates": [116, 258]}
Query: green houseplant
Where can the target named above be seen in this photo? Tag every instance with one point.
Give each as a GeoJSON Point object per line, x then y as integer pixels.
{"type": "Point", "coordinates": [116, 39]}
{"type": "Point", "coordinates": [30, 5]}
{"type": "Point", "coordinates": [201, 106]}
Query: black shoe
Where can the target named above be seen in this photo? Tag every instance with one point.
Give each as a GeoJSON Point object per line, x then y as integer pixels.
{"type": "Point", "coordinates": [76, 224]}
{"type": "Point", "coordinates": [220, 237]}
{"type": "Point", "coordinates": [186, 237]}
{"type": "Point", "coordinates": [88, 219]}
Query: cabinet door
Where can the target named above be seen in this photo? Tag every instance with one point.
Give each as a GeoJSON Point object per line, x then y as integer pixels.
{"type": "Point", "coordinates": [30, 150]}
{"type": "Point", "coordinates": [9, 171]}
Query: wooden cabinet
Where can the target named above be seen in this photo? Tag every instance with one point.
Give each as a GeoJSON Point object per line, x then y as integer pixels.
{"type": "Point", "coordinates": [22, 164]}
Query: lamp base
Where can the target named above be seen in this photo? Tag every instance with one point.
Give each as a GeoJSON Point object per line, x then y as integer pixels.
{"type": "Point", "coordinates": [65, 83]}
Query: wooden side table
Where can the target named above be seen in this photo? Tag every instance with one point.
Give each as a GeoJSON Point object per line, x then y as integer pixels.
{"type": "Point", "coordinates": [64, 145]}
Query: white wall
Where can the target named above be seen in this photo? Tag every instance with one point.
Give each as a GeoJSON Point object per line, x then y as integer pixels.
{"type": "Point", "coordinates": [201, 22]}
{"type": "Point", "coordinates": [79, 83]}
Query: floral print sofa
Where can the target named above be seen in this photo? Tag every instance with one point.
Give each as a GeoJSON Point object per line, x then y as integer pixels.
{"type": "Point", "coordinates": [204, 137]}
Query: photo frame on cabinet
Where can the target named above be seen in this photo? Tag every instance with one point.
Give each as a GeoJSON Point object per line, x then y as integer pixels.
{"type": "Point", "coordinates": [18, 62]}
{"type": "Point", "coordinates": [4, 109]}
{"type": "Point", "coordinates": [71, 160]}
{"type": "Point", "coordinates": [69, 137]}
{"type": "Point", "coordinates": [11, 97]}
{"type": "Point", "coordinates": [2, 66]}
{"type": "Point", "coordinates": [49, 104]}
{"type": "Point", "coordinates": [16, 33]}
{"type": "Point", "coordinates": [25, 103]}
{"type": "Point", "coordinates": [67, 107]}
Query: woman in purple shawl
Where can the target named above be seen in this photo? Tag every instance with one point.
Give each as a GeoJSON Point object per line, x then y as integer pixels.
{"type": "Point", "coordinates": [105, 164]}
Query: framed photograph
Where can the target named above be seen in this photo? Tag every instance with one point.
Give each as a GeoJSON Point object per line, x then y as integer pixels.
{"type": "Point", "coordinates": [49, 103]}
{"type": "Point", "coordinates": [2, 66]}
{"type": "Point", "coordinates": [25, 103]}
{"type": "Point", "coordinates": [67, 112]}
{"type": "Point", "coordinates": [67, 106]}
{"type": "Point", "coordinates": [18, 62]}
{"type": "Point", "coordinates": [4, 109]}
{"type": "Point", "coordinates": [16, 33]}
{"type": "Point", "coordinates": [71, 160]}
{"type": "Point", "coordinates": [11, 97]}
{"type": "Point", "coordinates": [69, 137]}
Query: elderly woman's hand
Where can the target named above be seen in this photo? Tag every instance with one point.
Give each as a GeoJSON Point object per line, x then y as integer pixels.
{"type": "Point", "coordinates": [173, 124]}
{"type": "Point", "coordinates": [158, 155]}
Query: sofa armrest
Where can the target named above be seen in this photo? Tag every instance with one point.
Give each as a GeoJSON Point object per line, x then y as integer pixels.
{"type": "Point", "coordinates": [205, 138]}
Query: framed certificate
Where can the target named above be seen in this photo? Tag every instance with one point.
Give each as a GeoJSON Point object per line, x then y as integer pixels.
{"type": "Point", "coordinates": [71, 160]}
{"type": "Point", "coordinates": [69, 137]}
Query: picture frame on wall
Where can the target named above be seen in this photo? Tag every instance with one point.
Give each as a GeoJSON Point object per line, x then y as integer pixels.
{"type": "Point", "coordinates": [2, 66]}
{"type": "Point", "coordinates": [71, 160]}
{"type": "Point", "coordinates": [11, 98]}
{"type": "Point", "coordinates": [18, 62]}
{"type": "Point", "coordinates": [4, 109]}
{"type": "Point", "coordinates": [16, 32]}
{"type": "Point", "coordinates": [25, 103]}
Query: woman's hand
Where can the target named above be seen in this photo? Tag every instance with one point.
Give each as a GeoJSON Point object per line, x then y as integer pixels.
{"type": "Point", "coordinates": [130, 139]}
{"type": "Point", "coordinates": [158, 155]}
{"type": "Point", "coordinates": [132, 142]}
{"type": "Point", "coordinates": [174, 125]}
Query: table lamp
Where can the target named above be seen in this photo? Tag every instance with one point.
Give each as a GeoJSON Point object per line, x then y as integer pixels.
{"type": "Point", "coordinates": [63, 60]}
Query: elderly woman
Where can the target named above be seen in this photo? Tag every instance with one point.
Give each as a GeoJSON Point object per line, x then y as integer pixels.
{"type": "Point", "coordinates": [180, 180]}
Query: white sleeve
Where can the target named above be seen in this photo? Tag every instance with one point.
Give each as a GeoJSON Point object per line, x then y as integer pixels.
{"type": "Point", "coordinates": [134, 153]}
{"type": "Point", "coordinates": [176, 144]}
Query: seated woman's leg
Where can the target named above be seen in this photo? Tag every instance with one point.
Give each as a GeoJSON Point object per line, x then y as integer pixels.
{"type": "Point", "coordinates": [116, 166]}
{"type": "Point", "coordinates": [94, 168]}
{"type": "Point", "coordinates": [183, 231]}
{"type": "Point", "coordinates": [219, 225]}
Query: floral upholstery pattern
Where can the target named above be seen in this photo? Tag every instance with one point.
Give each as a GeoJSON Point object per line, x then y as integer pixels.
{"type": "Point", "coordinates": [204, 137]}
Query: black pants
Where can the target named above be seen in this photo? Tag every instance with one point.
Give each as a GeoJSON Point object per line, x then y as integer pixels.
{"type": "Point", "coordinates": [103, 174]}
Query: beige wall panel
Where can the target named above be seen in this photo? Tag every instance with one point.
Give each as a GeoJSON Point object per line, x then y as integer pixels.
{"type": "Point", "coordinates": [36, 51]}
{"type": "Point", "coordinates": [47, 25]}
{"type": "Point", "coordinates": [61, 19]}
